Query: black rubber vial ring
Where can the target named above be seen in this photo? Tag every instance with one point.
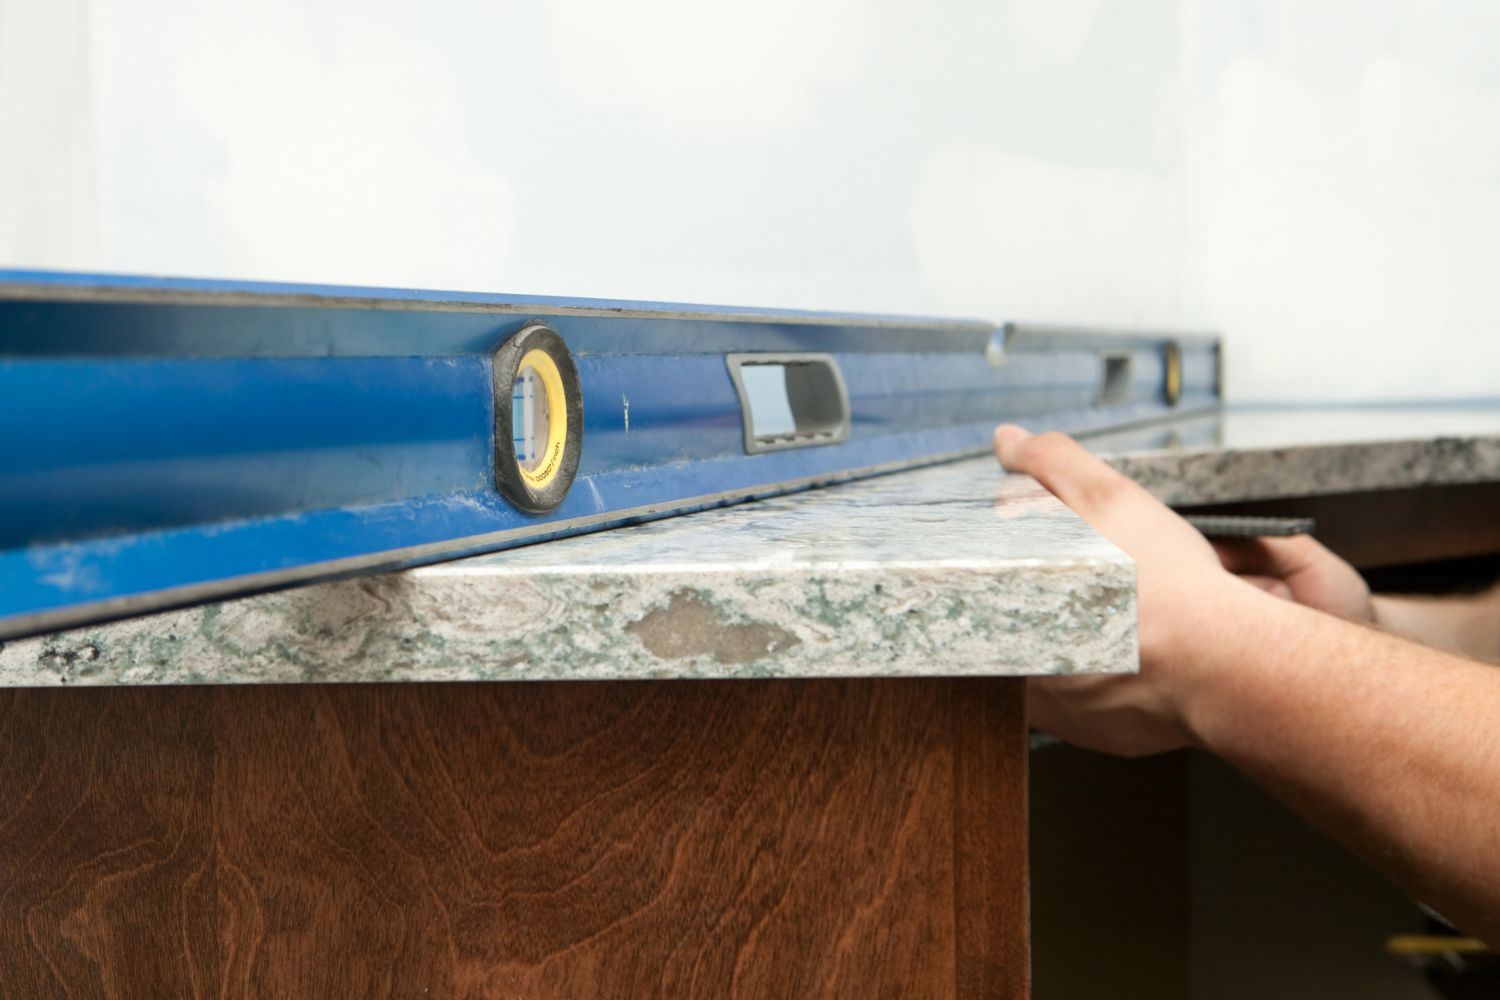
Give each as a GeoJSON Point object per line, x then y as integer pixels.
{"type": "Point", "coordinates": [538, 419]}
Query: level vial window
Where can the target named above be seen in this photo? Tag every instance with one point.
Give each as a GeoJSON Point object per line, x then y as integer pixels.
{"type": "Point", "coordinates": [531, 417]}
{"type": "Point", "coordinates": [790, 400]}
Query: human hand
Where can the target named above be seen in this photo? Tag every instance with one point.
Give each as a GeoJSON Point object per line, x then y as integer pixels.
{"type": "Point", "coordinates": [1185, 598]}
{"type": "Point", "coordinates": [1302, 570]}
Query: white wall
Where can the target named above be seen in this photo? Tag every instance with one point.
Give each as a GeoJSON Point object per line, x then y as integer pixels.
{"type": "Point", "coordinates": [48, 213]}
{"type": "Point", "coordinates": [962, 157]}
{"type": "Point", "coordinates": [1319, 179]}
{"type": "Point", "coordinates": [1342, 184]}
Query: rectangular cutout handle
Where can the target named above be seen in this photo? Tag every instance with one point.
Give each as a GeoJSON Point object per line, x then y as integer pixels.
{"type": "Point", "coordinates": [1114, 379]}
{"type": "Point", "coordinates": [790, 400]}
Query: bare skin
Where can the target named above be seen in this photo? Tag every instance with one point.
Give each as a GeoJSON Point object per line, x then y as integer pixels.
{"type": "Point", "coordinates": [1467, 625]}
{"type": "Point", "coordinates": [1392, 748]}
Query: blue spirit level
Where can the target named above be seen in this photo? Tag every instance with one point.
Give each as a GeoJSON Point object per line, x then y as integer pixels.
{"type": "Point", "coordinates": [168, 441]}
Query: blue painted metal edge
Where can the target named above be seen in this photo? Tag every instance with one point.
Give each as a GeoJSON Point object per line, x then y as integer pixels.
{"type": "Point", "coordinates": [169, 441]}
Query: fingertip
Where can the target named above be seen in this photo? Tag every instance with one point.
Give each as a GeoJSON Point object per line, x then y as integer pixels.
{"type": "Point", "coordinates": [1007, 436]}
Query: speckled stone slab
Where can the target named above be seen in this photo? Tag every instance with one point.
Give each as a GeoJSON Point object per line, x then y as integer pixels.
{"type": "Point", "coordinates": [1265, 454]}
{"type": "Point", "coordinates": [952, 570]}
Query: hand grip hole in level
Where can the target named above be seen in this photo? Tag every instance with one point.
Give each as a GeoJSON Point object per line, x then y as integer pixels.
{"type": "Point", "coordinates": [1114, 379]}
{"type": "Point", "coordinates": [790, 400]}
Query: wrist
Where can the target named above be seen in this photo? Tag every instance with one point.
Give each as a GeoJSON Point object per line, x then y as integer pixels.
{"type": "Point", "coordinates": [1245, 634]}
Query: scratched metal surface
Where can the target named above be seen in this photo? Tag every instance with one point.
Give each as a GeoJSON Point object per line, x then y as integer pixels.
{"type": "Point", "coordinates": [167, 441]}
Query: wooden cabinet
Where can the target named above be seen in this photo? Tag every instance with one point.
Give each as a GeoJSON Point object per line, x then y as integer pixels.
{"type": "Point", "coordinates": [797, 838]}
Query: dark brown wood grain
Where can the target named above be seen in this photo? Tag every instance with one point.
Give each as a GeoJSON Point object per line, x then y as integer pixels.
{"type": "Point", "coordinates": [992, 946]}
{"type": "Point", "coordinates": [663, 839]}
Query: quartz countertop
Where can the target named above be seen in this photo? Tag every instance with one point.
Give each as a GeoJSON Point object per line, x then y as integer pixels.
{"type": "Point", "coordinates": [946, 571]}
{"type": "Point", "coordinates": [1267, 453]}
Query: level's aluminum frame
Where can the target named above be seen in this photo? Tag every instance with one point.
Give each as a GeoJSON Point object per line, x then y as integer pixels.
{"type": "Point", "coordinates": [167, 441]}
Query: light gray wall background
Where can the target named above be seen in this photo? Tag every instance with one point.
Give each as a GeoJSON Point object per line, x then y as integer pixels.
{"type": "Point", "coordinates": [1318, 178]}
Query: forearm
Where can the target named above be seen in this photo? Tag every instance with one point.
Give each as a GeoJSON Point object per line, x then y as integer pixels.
{"type": "Point", "coordinates": [1469, 625]}
{"type": "Point", "coordinates": [1389, 747]}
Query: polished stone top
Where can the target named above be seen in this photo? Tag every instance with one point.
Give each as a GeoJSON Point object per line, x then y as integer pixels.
{"type": "Point", "coordinates": [946, 571]}
{"type": "Point", "coordinates": [1265, 454]}
{"type": "Point", "coordinates": [951, 570]}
